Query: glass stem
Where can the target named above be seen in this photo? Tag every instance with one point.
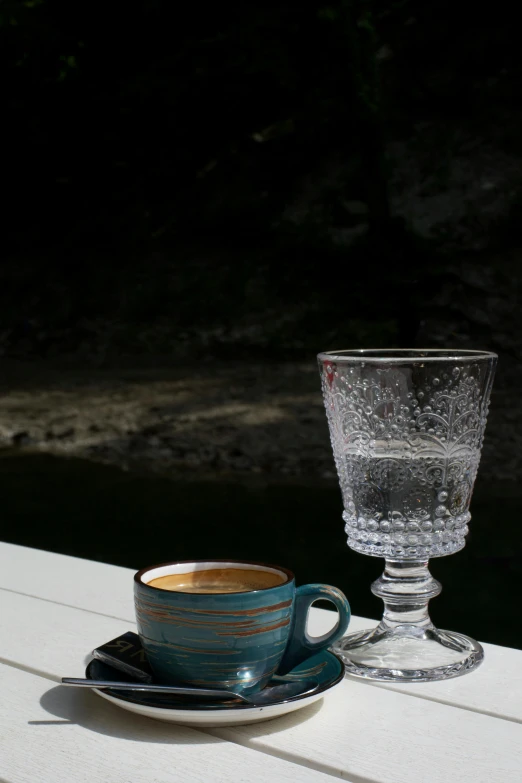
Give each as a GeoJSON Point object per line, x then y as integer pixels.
{"type": "Point", "coordinates": [406, 588]}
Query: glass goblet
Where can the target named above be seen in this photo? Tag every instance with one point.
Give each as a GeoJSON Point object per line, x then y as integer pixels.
{"type": "Point", "coordinates": [406, 428]}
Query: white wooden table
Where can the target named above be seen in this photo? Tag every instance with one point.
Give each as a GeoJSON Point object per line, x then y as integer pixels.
{"type": "Point", "coordinates": [55, 609]}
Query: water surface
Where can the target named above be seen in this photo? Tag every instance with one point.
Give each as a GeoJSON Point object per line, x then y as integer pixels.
{"type": "Point", "coordinates": [94, 511]}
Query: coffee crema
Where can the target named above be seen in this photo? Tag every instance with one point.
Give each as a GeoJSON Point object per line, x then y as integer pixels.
{"type": "Point", "coordinates": [219, 580]}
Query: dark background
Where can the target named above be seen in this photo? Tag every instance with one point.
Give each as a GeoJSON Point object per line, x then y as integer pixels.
{"type": "Point", "coordinates": [196, 201]}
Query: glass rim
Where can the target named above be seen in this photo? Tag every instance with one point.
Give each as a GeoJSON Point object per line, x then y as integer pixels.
{"type": "Point", "coordinates": [404, 355]}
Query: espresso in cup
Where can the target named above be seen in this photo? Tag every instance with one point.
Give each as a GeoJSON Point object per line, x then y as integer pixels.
{"type": "Point", "coordinates": [218, 580]}
{"type": "Point", "coordinates": [228, 624]}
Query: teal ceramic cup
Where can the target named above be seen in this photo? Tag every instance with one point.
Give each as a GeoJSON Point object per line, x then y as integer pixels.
{"type": "Point", "coordinates": [228, 624]}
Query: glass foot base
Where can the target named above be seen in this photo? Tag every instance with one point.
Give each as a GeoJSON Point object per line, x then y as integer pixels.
{"type": "Point", "coordinates": [408, 654]}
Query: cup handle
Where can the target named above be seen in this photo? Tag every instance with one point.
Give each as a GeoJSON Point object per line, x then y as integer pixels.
{"type": "Point", "coordinates": [301, 645]}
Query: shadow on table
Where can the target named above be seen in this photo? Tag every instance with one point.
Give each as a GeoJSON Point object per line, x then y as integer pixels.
{"type": "Point", "coordinates": [72, 706]}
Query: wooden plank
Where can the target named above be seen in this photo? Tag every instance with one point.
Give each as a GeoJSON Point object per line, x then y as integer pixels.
{"type": "Point", "coordinates": [493, 689]}
{"type": "Point", "coordinates": [369, 733]}
{"type": "Point", "coordinates": [49, 638]}
{"type": "Point", "coordinates": [360, 732]}
{"type": "Point", "coordinates": [50, 733]}
{"type": "Point", "coordinates": [87, 584]}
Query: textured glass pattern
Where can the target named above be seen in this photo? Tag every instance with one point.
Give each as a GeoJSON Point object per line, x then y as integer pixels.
{"type": "Point", "coordinates": [406, 437]}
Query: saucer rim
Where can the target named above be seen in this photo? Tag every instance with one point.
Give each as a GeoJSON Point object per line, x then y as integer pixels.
{"type": "Point", "coordinates": [224, 707]}
{"type": "Point", "coordinates": [201, 719]}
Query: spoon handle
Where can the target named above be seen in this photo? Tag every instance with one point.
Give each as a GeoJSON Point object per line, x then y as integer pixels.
{"type": "Point", "coordinates": [147, 688]}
